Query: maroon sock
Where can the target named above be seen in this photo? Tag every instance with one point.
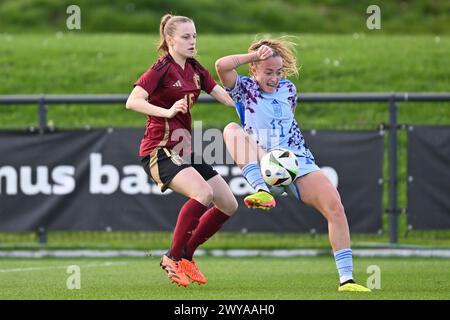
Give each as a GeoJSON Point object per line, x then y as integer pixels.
{"type": "Point", "coordinates": [188, 219]}
{"type": "Point", "coordinates": [210, 223]}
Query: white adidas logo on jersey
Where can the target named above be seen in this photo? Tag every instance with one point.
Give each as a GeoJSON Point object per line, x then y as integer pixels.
{"type": "Point", "coordinates": [177, 84]}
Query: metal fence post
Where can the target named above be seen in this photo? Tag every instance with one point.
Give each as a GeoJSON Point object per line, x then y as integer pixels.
{"type": "Point", "coordinates": [393, 207]}
{"type": "Point", "coordinates": [42, 236]}
{"type": "Point", "coordinates": [42, 113]}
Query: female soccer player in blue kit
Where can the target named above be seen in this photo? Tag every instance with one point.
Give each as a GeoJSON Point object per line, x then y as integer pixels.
{"type": "Point", "coordinates": [266, 104]}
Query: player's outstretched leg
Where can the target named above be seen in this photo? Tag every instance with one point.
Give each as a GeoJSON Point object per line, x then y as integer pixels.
{"type": "Point", "coordinates": [189, 183]}
{"type": "Point", "coordinates": [317, 191]}
{"type": "Point", "coordinates": [246, 154]}
{"type": "Point", "coordinates": [225, 205]}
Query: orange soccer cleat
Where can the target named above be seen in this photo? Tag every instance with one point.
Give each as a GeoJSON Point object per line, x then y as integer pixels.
{"type": "Point", "coordinates": [174, 271]}
{"type": "Point", "coordinates": [191, 270]}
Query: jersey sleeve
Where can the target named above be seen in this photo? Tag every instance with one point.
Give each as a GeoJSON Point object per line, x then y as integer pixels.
{"type": "Point", "coordinates": [148, 80]}
{"type": "Point", "coordinates": [236, 92]}
{"type": "Point", "coordinates": [207, 81]}
{"type": "Point", "coordinates": [292, 96]}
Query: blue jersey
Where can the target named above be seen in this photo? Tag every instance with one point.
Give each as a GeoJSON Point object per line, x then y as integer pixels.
{"type": "Point", "coordinates": [269, 118]}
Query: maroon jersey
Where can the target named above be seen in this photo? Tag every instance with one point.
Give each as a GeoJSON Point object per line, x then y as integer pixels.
{"type": "Point", "coordinates": [166, 82]}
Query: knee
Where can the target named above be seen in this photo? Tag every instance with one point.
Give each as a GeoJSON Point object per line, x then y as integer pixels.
{"type": "Point", "coordinates": [228, 206]}
{"type": "Point", "coordinates": [232, 207]}
{"type": "Point", "coordinates": [230, 129]}
{"type": "Point", "coordinates": [336, 211]}
{"type": "Point", "coordinates": [204, 195]}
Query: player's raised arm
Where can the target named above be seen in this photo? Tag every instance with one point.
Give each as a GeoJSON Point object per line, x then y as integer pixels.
{"type": "Point", "coordinates": [226, 66]}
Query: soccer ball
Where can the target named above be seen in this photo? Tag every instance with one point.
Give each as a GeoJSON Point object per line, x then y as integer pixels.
{"type": "Point", "coordinates": [279, 167]}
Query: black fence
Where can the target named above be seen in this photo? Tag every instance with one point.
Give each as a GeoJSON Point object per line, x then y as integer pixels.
{"type": "Point", "coordinates": [391, 99]}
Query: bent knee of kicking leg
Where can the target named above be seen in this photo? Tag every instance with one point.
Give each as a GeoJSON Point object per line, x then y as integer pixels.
{"type": "Point", "coordinates": [204, 195]}
{"type": "Point", "coordinates": [230, 129]}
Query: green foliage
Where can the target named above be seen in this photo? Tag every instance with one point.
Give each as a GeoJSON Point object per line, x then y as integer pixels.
{"type": "Point", "coordinates": [229, 16]}
{"type": "Point", "coordinates": [70, 63]}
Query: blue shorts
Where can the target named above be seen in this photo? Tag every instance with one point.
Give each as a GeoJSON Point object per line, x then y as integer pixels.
{"type": "Point", "coordinates": [306, 165]}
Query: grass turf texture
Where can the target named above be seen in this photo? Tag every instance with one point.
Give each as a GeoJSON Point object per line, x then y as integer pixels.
{"type": "Point", "coordinates": [229, 278]}
{"type": "Point", "coordinates": [118, 240]}
{"type": "Point", "coordinates": [109, 63]}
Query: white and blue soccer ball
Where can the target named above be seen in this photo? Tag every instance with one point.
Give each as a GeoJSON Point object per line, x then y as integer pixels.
{"type": "Point", "coordinates": [279, 167]}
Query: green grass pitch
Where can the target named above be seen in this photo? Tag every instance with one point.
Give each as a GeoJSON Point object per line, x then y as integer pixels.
{"type": "Point", "coordinates": [255, 278]}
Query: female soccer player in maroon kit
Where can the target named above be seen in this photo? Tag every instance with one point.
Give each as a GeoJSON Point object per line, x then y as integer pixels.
{"type": "Point", "coordinates": [166, 93]}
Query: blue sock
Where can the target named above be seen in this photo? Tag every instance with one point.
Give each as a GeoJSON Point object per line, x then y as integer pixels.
{"type": "Point", "coordinates": [252, 173]}
{"type": "Point", "coordinates": [344, 264]}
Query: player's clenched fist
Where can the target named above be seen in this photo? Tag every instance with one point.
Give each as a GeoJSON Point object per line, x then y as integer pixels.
{"type": "Point", "coordinates": [179, 106]}
{"type": "Point", "coordinates": [264, 52]}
